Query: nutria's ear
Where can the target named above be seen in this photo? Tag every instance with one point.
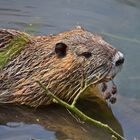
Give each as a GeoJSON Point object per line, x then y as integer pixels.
{"type": "Point", "coordinates": [60, 49]}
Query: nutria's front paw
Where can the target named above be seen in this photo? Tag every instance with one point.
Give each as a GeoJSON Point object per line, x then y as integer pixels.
{"type": "Point", "coordinates": [109, 95]}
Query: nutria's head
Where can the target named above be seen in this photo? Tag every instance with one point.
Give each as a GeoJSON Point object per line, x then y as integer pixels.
{"type": "Point", "coordinates": [97, 59]}
{"type": "Point", "coordinates": [61, 62]}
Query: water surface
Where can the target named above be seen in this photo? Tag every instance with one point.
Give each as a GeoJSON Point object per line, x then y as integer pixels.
{"type": "Point", "coordinates": [116, 17]}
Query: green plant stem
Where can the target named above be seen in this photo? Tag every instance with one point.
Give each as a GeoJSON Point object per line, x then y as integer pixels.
{"type": "Point", "coordinates": [80, 114]}
{"type": "Point", "coordinates": [77, 96]}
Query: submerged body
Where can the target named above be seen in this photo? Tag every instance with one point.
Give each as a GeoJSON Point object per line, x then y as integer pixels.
{"type": "Point", "coordinates": [59, 61]}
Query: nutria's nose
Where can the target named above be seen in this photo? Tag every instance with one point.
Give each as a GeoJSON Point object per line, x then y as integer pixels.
{"type": "Point", "coordinates": [119, 57]}
{"type": "Point", "coordinates": [119, 62]}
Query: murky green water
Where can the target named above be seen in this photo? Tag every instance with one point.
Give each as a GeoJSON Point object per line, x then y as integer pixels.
{"type": "Point", "coordinates": [107, 17]}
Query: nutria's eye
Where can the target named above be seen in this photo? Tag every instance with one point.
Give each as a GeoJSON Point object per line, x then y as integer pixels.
{"type": "Point", "coordinates": [86, 54]}
{"type": "Point", "coordinates": [60, 49]}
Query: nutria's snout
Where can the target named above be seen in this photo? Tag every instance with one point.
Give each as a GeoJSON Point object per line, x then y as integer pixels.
{"type": "Point", "coordinates": [117, 64]}
{"type": "Point", "coordinates": [119, 59]}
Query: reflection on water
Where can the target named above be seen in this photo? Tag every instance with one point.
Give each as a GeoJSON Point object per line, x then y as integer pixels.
{"type": "Point", "coordinates": [133, 3]}
{"type": "Point", "coordinates": [118, 17]}
{"type": "Point", "coordinates": [56, 121]}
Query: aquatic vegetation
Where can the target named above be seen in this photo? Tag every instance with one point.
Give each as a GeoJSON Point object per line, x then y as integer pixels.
{"type": "Point", "coordinates": [15, 46]}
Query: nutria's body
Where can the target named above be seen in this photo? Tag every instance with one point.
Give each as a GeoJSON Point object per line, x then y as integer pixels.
{"type": "Point", "coordinates": [60, 62]}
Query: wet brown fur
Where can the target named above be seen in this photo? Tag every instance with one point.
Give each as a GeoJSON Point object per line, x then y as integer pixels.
{"type": "Point", "coordinates": [38, 61]}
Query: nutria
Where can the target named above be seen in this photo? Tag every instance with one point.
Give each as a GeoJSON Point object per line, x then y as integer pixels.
{"type": "Point", "coordinates": [60, 61]}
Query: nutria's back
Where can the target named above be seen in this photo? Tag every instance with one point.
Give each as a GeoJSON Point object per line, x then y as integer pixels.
{"type": "Point", "coordinates": [60, 61]}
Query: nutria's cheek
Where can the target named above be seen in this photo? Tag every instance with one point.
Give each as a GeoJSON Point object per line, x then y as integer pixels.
{"type": "Point", "coordinates": [83, 61]}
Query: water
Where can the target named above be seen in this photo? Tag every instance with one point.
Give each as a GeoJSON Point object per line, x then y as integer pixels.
{"type": "Point", "coordinates": [117, 17]}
